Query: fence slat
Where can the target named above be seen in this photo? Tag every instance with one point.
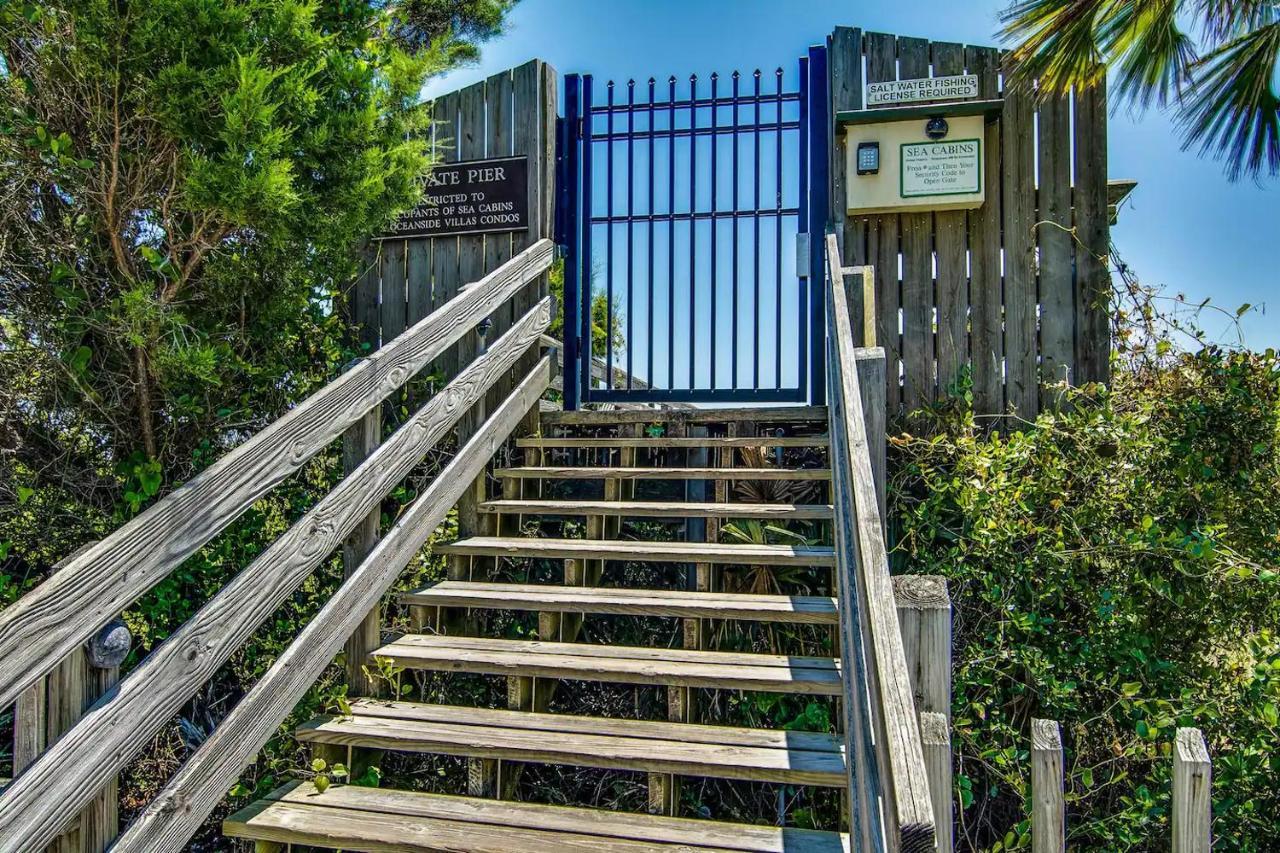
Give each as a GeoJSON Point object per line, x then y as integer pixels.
{"type": "Point", "coordinates": [42, 799]}
{"type": "Point", "coordinates": [1048, 809]}
{"type": "Point", "coordinates": [950, 244]}
{"type": "Point", "coordinates": [48, 623]}
{"type": "Point", "coordinates": [1192, 794]}
{"type": "Point", "coordinates": [393, 308]}
{"type": "Point", "coordinates": [917, 267]}
{"type": "Point", "coordinates": [986, 323]}
{"type": "Point", "coordinates": [1057, 256]}
{"type": "Point", "coordinates": [194, 791]}
{"type": "Point", "coordinates": [883, 235]}
{"type": "Point", "coordinates": [1018, 211]}
{"type": "Point", "coordinates": [1093, 280]}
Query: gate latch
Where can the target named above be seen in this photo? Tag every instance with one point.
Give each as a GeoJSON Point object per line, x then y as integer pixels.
{"type": "Point", "coordinates": [802, 254]}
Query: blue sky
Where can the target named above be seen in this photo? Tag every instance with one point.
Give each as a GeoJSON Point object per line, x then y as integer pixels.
{"type": "Point", "coordinates": [1186, 227]}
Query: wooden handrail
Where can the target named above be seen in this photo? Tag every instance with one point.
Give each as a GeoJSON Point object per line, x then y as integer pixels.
{"type": "Point", "coordinates": [885, 753]}
{"type": "Point", "coordinates": [45, 797]}
{"type": "Point", "coordinates": [52, 620]}
{"type": "Point", "coordinates": [196, 789]}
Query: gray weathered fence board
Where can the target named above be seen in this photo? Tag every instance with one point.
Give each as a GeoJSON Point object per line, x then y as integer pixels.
{"type": "Point", "coordinates": [986, 303]}
{"type": "Point", "coordinates": [1053, 227]}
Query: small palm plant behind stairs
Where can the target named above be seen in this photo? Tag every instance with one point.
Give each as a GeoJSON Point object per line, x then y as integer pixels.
{"type": "Point", "coordinates": [638, 621]}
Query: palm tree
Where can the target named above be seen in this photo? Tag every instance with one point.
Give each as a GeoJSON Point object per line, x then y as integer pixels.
{"type": "Point", "coordinates": [1224, 93]}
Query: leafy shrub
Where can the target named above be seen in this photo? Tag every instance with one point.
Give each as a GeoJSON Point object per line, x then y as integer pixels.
{"type": "Point", "coordinates": [1112, 568]}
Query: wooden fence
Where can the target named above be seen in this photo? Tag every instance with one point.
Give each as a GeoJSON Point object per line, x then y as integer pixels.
{"type": "Point", "coordinates": [1016, 289]}
{"type": "Point", "coordinates": [508, 114]}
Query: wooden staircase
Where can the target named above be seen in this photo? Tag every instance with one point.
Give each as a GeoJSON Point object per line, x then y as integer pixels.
{"type": "Point", "coordinates": [571, 526]}
{"type": "Point", "coordinates": [633, 502]}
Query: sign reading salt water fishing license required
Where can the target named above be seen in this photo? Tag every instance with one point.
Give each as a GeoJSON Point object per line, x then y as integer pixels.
{"type": "Point", "coordinates": [948, 167]}
{"type": "Point", "coordinates": [469, 197]}
{"type": "Point", "coordinates": [954, 88]}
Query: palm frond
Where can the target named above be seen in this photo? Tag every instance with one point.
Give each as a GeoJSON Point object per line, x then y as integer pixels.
{"type": "Point", "coordinates": [1234, 111]}
{"type": "Point", "coordinates": [1152, 55]}
{"type": "Point", "coordinates": [1225, 19]}
{"type": "Point", "coordinates": [1058, 45]}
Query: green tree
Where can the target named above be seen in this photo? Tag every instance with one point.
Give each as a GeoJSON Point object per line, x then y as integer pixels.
{"type": "Point", "coordinates": [1225, 95]}
{"type": "Point", "coordinates": [184, 182]}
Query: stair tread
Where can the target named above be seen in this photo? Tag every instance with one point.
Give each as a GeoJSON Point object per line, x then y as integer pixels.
{"type": "Point", "coordinates": [799, 758]}
{"type": "Point", "coordinates": [358, 818]}
{"type": "Point", "coordinates": [640, 602]}
{"type": "Point", "coordinates": [615, 549]}
{"type": "Point", "coordinates": [623, 664]}
{"type": "Point", "coordinates": [679, 441]}
{"type": "Point", "coordinates": [683, 473]}
{"type": "Point", "coordinates": [671, 510]}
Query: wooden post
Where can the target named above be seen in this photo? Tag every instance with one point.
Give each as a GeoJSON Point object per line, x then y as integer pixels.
{"type": "Point", "coordinates": [1048, 808]}
{"type": "Point", "coordinates": [872, 386]}
{"type": "Point", "coordinates": [1192, 794]}
{"type": "Point", "coordinates": [924, 616]}
{"type": "Point", "coordinates": [935, 735]}
{"type": "Point", "coordinates": [361, 439]}
{"type": "Point", "coordinates": [51, 706]}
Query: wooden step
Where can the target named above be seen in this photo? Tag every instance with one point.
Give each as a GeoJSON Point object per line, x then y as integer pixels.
{"type": "Point", "coordinates": [755, 414]}
{"type": "Point", "coordinates": [377, 819]}
{"type": "Point", "coordinates": [675, 511]}
{"type": "Point", "coordinates": [621, 664]}
{"type": "Point", "coordinates": [682, 441]}
{"type": "Point", "coordinates": [627, 602]}
{"type": "Point", "coordinates": [598, 473]}
{"type": "Point", "coordinates": [794, 758]}
{"type": "Point", "coordinates": [657, 552]}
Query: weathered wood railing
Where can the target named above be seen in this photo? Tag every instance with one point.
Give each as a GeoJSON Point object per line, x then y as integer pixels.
{"type": "Point", "coordinates": [51, 622]}
{"type": "Point", "coordinates": [889, 800]}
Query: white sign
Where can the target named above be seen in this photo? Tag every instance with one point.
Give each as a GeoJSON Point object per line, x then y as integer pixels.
{"type": "Point", "coordinates": [954, 88]}
{"type": "Point", "coordinates": [948, 167]}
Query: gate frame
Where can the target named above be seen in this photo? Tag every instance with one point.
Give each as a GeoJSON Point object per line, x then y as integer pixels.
{"type": "Point", "coordinates": [573, 219]}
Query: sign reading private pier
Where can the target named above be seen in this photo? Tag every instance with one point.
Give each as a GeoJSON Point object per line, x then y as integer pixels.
{"type": "Point", "coordinates": [957, 87]}
{"type": "Point", "coordinates": [948, 167]}
{"type": "Point", "coordinates": [469, 197]}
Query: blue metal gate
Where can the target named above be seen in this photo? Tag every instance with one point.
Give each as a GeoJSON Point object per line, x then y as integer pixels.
{"type": "Point", "coordinates": [684, 208]}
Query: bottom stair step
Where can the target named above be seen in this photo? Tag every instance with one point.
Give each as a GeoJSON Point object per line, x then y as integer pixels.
{"type": "Point", "coordinates": [374, 819]}
{"type": "Point", "coordinates": [796, 758]}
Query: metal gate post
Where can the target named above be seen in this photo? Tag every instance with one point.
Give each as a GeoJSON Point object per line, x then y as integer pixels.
{"type": "Point", "coordinates": [567, 197]}
{"type": "Point", "coordinates": [820, 144]}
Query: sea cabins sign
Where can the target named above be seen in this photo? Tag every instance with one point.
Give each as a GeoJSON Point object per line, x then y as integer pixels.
{"type": "Point", "coordinates": [955, 88]}
{"type": "Point", "coordinates": [469, 197]}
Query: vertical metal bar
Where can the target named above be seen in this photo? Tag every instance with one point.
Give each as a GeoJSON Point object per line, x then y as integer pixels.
{"type": "Point", "coordinates": [712, 339]}
{"type": "Point", "coordinates": [671, 234]}
{"type": "Point", "coordinates": [586, 265]}
{"type": "Point", "coordinates": [649, 316]}
{"type": "Point", "coordinates": [777, 302]}
{"type": "Point", "coordinates": [631, 212]}
{"type": "Point", "coordinates": [755, 225]}
{"type": "Point", "coordinates": [804, 282]}
{"type": "Point", "coordinates": [568, 177]}
{"type": "Point", "coordinates": [693, 224]}
{"type": "Point", "coordinates": [818, 165]}
{"type": "Point", "coordinates": [608, 240]}
{"type": "Point", "coordinates": [734, 286]}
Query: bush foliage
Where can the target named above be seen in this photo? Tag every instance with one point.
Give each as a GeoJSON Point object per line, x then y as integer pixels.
{"type": "Point", "coordinates": [1113, 568]}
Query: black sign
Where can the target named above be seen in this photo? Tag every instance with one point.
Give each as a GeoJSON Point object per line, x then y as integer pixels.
{"type": "Point", "coordinates": [470, 197]}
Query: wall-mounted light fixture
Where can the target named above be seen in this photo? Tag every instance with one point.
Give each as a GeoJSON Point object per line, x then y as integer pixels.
{"type": "Point", "coordinates": [937, 128]}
